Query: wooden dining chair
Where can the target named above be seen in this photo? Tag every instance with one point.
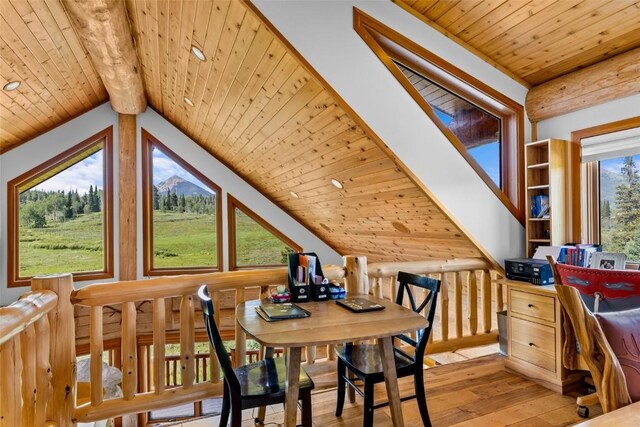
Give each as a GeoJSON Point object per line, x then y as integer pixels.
{"type": "Point", "coordinates": [363, 362]}
{"type": "Point", "coordinates": [254, 385]}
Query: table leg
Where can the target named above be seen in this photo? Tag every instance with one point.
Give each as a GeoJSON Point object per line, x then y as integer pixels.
{"type": "Point", "coordinates": [391, 379]}
{"type": "Point", "coordinates": [293, 385]}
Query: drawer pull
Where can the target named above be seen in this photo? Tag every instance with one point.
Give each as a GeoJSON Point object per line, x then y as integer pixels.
{"type": "Point", "coordinates": [530, 305]}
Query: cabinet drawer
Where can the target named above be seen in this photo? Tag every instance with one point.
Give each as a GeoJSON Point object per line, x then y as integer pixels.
{"type": "Point", "coordinates": [533, 343]}
{"type": "Point", "coordinates": [539, 306]}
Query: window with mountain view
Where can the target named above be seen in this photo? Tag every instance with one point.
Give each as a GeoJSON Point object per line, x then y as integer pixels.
{"type": "Point", "coordinates": [253, 242]}
{"type": "Point", "coordinates": [181, 214]}
{"type": "Point", "coordinates": [61, 210]}
{"type": "Point", "coordinates": [620, 205]}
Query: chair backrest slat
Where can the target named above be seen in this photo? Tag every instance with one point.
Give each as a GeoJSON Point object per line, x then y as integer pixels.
{"type": "Point", "coordinates": [216, 339]}
{"type": "Point", "coordinates": [407, 280]}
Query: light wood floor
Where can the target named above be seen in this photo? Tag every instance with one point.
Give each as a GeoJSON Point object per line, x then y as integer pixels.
{"type": "Point", "coordinates": [477, 392]}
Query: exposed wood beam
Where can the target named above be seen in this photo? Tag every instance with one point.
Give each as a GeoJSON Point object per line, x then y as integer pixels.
{"type": "Point", "coordinates": [614, 78]}
{"type": "Point", "coordinates": [128, 196]}
{"type": "Point", "coordinates": [104, 29]}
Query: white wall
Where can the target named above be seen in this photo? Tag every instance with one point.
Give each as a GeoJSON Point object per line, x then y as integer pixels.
{"type": "Point", "coordinates": [561, 127]}
{"type": "Point", "coordinates": [29, 155]}
{"type": "Point", "coordinates": [322, 31]}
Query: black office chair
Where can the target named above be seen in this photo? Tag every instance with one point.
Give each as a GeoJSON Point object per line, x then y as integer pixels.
{"type": "Point", "coordinates": [251, 386]}
{"type": "Point", "coordinates": [364, 361]}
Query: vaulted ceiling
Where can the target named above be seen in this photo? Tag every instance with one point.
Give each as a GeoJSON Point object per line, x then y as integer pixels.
{"type": "Point", "coordinates": [538, 40]}
{"type": "Point", "coordinates": [250, 104]}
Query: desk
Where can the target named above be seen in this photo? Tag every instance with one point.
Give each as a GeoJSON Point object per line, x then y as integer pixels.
{"type": "Point", "coordinates": [332, 324]}
{"type": "Point", "coordinates": [626, 416]}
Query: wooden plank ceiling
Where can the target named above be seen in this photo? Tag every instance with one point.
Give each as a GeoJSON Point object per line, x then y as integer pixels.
{"type": "Point", "coordinates": [538, 40]}
{"type": "Point", "coordinates": [260, 112]}
{"type": "Point", "coordinates": [39, 47]}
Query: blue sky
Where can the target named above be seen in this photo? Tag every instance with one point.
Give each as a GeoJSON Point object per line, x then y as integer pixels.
{"type": "Point", "coordinates": [487, 156]}
{"type": "Point", "coordinates": [80, 176]}
{"type": "Point", "coordinates": [614, 165]}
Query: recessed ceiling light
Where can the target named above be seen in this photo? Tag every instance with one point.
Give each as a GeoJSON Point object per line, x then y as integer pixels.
{"type": "Point", "coordinates": [337, 183]}
{"type": "Point", "coordinates": [198, 53]}
{"type": "Point", "coordinates": [188, 101]}
{"type": "Point", "coordinates": [12, 86]}
{"type": "Point", "coordinates": [294, 194]}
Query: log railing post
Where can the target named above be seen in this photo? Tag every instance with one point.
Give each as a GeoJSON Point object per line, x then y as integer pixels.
{"type": "Point", "coordinates": [356, 279]}
{"type": "Point", "coordinates": [62, 347]}
{"type": "Point", "coordinates": [486, 301]}
{"type": "Point", "coordinates": [444, 307]}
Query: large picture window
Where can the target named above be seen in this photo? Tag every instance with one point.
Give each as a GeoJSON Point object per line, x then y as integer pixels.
{"type": "Point", "coordinates": [60, 215]}
{"type": "Point", "coordinates": [485, 126]}
{"type": "Point", "coordinates": [253, 242]}
{"type": "Point", "coordinates": [608, 209]}
{"type": "Point", "coordinates": [181, 214]}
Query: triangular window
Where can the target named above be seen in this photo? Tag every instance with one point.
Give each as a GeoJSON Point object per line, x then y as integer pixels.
{"type": "Point", "coordinates": [182, 231]}
{"type": "Point", "coordinates": [253, 242]}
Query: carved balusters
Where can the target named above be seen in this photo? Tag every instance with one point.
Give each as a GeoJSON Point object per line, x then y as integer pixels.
{"type": "Point", "coordinates": [241, 338]}
{"type": "Point", "coordinates": [444, 306]}
{"type": "Point", "coordinates": [187, 341]}
{"type": "Point", "coordinates": [486, 301]}
{"type": "Point", "coordinates": [96, 348]}
{"type": "Point", "coordinates": [129, 351]}
{"type": "Point", "coordinates": [215, 364]}
{"type": "Point", "coordinates": [159, 330]}
{"type": "Point", "coordinates": [458, 300]}
{"type": "Point", "coordinates": [472, 301]}
{"type": "Point", "coordinates": [27, 345]}
{"type": "Point", "coordinates": [43, 370]}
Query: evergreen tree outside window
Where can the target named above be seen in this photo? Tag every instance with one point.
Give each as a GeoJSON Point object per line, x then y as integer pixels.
{"type": "Point", "coordinates": [60, 215]}
{"type": "Point", "coordinates": [620, 205]}
{"type": "Point", "coordinates": [181, 212]}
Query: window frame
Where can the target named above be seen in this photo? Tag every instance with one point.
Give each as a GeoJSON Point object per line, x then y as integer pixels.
{"type": "Point", "coordinates": [232, 204]}
{"type": "Point", "coordinates": [585, 217]}
{"type": "Point", "coordinates": [104, 137]}
{"type": "Point", "coordinates": [148, 143]}
{"type": "Point", "coordinates": [389, 46]}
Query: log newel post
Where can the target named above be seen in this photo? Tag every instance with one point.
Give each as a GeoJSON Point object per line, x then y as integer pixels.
{"type": "Point", "coordinates": [356, 279]}
{"type": "Point", "coordinates": [62, 348]}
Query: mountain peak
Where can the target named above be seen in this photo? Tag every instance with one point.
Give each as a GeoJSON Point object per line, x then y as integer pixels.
{"type": "Point", "coordinates": [181, 187]}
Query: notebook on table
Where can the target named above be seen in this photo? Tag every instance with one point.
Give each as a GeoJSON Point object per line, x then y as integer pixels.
{"type": "Point", "coordinates": [359, 305]}
{"type": "Point", "coordinates": [272, 312]}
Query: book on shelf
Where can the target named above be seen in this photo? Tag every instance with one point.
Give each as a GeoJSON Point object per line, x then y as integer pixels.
{"type": "Point", "coordinates": [283, 311]}
{"type": "Point", "coordinates": [540, 206]}
{"type": "Point", "coordinates": [574, 254]}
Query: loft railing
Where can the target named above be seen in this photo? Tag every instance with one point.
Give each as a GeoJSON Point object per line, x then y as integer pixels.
{"type": "Point", "coordinates": [460, 279]}
{"type": "Point", "coordinates": [25, 374]}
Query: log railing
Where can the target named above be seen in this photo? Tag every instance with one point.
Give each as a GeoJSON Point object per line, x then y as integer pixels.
{"type": "Point", "coordinates": [467, 302]}
{"type": "Point", "coordinates": [25, 375]}
{"type": "Point", "coordinates": [468, 299]}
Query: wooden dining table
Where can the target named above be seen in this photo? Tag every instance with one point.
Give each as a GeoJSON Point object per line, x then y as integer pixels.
{"type": "Point", "coordinates": [330, 323]}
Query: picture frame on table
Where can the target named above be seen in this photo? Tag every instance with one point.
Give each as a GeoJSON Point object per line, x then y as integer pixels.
{"type": "Point", "coordinates": [608, 260]}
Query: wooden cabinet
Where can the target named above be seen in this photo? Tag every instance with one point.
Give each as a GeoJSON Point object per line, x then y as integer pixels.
{"type": "Point", "coordinates": [546, 177]}
{"type": "Point", "coordinates": [535, 336]}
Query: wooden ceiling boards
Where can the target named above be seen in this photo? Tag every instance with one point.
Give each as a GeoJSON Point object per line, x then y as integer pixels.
{"type": "Point", "coordinates": [40, 48]}
{"type": "Point", "coordinates": [259, 111]}
{"type": "Point", "coordinates": [537, 40]}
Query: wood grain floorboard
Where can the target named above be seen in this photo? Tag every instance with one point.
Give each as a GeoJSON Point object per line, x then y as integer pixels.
{"type": "Point", "coordinates": [477, 392]}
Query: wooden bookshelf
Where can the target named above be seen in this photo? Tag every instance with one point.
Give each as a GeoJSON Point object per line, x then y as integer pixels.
{"type": "Point", "coordinates": [546, 174]}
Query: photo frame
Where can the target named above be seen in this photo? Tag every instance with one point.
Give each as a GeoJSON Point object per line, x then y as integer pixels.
{"type": "Point", "coordinates": [608, 260]}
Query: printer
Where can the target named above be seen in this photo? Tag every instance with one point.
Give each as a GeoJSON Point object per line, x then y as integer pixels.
{"type": "Point", "coordinates": [535, 271]}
